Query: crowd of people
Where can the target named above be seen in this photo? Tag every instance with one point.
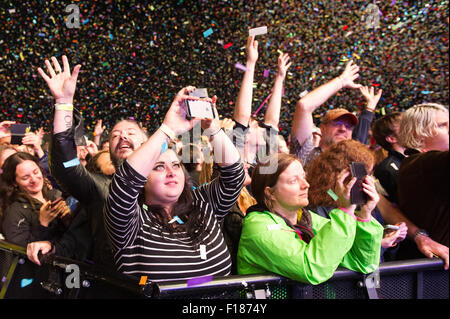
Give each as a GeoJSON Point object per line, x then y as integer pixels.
{"type": "Point", "coordinates": [170, 196]}
{"type": "Point", "coordinates": [130, 46]}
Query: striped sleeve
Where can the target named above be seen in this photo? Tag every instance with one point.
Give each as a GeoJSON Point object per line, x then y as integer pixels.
{"type": "Point", "coordinates": [223, 192]}
{"type": "Point", "coordinates": [122, 213]}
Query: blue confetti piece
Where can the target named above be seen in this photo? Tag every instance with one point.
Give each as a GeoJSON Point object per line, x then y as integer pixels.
{"type": "Point", "coordinates": [85, 21]}
{"type": "Point", "coordinates": [164, 147]}
{"type": "Point", "coordinates": [208, 32]}
{"type": "Point", "coordinates": [110, 35]}
{"type": "Point", "coordinates": [25, 282]}
{"type": "Point", "coordinates": [426, 92]}
{"type": "Point", "coordinates": [176, 219]}
{"type": "Point", "coordinates": [71, 163]}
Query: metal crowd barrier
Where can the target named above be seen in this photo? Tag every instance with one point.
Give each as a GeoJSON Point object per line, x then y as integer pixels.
{"type": "Point", "coordinates": [64, 278]}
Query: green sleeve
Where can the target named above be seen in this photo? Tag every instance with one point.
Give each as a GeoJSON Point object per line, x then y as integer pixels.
{"type": "Point", "coordinates": [364, 256]}
{"type": "Point", "coordinates": [265, 249]}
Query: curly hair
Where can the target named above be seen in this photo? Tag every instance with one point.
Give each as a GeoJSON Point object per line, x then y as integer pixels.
{"type": "Point", "coordinates": [322, 172]}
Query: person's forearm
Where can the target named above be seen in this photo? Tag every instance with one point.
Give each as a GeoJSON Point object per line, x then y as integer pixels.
{"type": "Point", "coordinates": [272, 116]}
{"type": "Point", "coordinates": [97, 139]}
{"type": "Point", "coordinates": [225, 153]}
{"type": "Point", "coordinates": [144, 158]}
{"type": "Point", "coordinates": [243, 108]}
{"type": "Point", "coordinates": [392, 215]}
{"type": "Point", "coordinates": [320, 95]}
{"type": "Point", "coordinates": [62, 121]}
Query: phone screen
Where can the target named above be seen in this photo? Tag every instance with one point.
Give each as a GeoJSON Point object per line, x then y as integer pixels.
{"type": "Point", "coordinates": [18, 132]}
{"type": "Point", "coordinates": [357, 195]}
{"type": "Point", "coordinates": [200, 109]}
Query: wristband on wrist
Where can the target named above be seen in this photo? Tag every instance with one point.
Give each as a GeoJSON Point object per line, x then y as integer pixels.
{"type": "Point", "coordinates": [345, 210]}
{"type": "Point", "coordinates": [168, 131]}
{"type": "Point", "coordinates": [63, 107]}
{"type": "Point", "coordinates": [362, 219]}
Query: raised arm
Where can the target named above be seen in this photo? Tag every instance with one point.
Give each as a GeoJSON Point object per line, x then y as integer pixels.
{"type": "Point", "coordinates": [426, 245]}
{"type": "Point", "coordinates": [272, 115]}
{"type": "Point", "coordinates": [70, 174]}
{"type": "Point", "coordinates": [243, 108]}
{"type": "Point", "coordinates": [303, 116]}
{"type": "Point", "coordinates": [361, 131]}
{"type": "Point", "coordinates": [62, 86]}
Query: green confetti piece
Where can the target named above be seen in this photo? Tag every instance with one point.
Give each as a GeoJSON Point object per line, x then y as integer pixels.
{"type": "Point", "coordinates": [332, 194]}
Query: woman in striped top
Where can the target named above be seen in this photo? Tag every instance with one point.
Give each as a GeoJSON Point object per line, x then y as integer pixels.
{"type": "Point", "coordinates": [159, 226]}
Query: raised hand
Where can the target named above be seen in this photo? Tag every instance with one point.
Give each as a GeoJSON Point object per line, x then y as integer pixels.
{"type": "Point", "coordinates": [252, 50]}
{"type": "Point", "coordinates": [370, 96]}
{"type": "Point", "coordinates": [283, 64]}
{"type": "Point", "coordinates": [373, 197]}
{"type": "Point", "coordinates": [176, 115]}
{"type": "Point", "coordinates": [5, 127]}
{"type": "Point", "coordinates": [349, 75]}
{"type": "Point", "coordinates": [61, 83]}
{"type": "Point", "coordinates": [343, 190]}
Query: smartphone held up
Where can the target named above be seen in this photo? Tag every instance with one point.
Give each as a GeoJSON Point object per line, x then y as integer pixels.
{"type": "Point", "coordinates": [357, 194]}
{"type": "Point", "coordinates": [200, 108]}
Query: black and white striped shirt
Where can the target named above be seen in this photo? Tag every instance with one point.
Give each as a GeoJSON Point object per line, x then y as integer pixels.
{"type": "Point", "coordinates": [141, 250]}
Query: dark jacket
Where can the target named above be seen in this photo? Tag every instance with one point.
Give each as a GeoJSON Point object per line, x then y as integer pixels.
{"type": "Point", "coordinates": [21, 222]}
{"type": "Point", "coordinates": [387, 173]}
{"type": "Point", "coordinates": [423, 186]}
{"type": "Point", "coordinates": [89, 189]}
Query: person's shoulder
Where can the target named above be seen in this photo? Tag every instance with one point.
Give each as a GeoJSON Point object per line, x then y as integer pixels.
{"type": "Point", "coordinates": [18, 208]}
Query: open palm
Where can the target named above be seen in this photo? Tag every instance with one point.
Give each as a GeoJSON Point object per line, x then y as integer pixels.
{"type": "Point", "coordinates": [61, 83]}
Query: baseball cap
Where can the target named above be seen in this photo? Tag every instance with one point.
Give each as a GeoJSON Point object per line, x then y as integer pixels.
{"type": "Point", "coordinates": [334, 114]}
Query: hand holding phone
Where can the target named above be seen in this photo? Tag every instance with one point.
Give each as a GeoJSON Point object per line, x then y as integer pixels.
{"type": "Point", "coordinates": [56, 201]}
{"type": "Point", "coordinates": [18, 131]}
{"type": "Point", "coordinates": [201, 109]}
{"type": "Point", "coordinates": [391, 227]}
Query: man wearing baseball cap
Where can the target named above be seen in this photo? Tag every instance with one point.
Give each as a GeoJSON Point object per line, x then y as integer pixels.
{"type": "Point", "coordinates": [337, 124]}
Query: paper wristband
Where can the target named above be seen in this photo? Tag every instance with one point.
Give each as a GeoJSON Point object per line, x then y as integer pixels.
{"type": "Point", "coordinates": [72, 162]}
{"type": "Point", "coordinates": [63, 107]}
{"type": "Point", "coordinates": [168, 131]}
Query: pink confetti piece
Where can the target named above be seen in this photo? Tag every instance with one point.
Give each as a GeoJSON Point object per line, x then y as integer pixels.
{"type": "Point", "coordinates": [240, 67]}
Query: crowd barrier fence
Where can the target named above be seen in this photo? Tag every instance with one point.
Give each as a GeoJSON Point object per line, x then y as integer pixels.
{"type": "Point", "coordinates": [58, 278]}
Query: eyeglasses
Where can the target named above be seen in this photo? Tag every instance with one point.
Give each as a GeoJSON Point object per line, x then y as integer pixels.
{"type": "Point", "coordinates": [347, 125]}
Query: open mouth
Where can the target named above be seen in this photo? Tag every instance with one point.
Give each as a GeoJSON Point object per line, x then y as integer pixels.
{"type": "Point", "coordinates": [170, 183]}
{"type": "Point", "coordinates": [124, 146]}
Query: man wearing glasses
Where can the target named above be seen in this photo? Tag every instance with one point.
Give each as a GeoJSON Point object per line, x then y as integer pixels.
{"type": "Point", "coordinates": [337, 124]}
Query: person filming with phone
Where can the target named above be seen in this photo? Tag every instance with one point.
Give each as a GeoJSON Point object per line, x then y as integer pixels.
{"type": "Point", "coordinates": [158, 225]}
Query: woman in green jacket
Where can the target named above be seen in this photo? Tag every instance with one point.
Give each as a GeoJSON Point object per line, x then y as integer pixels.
{"type": "Point", "coordinates": [279, 236]}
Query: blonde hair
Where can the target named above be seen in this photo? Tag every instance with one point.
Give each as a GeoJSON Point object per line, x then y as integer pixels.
{"type": "Point", "coordinates": [245, 199]}
{"type": "Point", "coordinates": [418, 123]}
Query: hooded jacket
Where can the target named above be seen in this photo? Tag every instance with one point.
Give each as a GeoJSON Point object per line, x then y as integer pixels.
{"type": "Point", "coordinates": [268, 244]}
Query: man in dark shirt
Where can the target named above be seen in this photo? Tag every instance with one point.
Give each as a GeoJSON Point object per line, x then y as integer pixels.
{"type": "Point", "coordinates": [385, 133]}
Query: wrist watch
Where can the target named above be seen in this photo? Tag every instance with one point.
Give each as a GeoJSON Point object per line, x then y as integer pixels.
{"type": "Point", "coordinates": [421, 232]}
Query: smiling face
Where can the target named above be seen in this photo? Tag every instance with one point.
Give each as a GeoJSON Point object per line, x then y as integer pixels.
{"type": "Point", "coordinates": [126, 136]}
{"type": "Point", "coordinates": [29, 178]}
{"type": "Point", "coordinates": [166, 181]}
{"type": "Point", "coordinates": [290, 193]}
